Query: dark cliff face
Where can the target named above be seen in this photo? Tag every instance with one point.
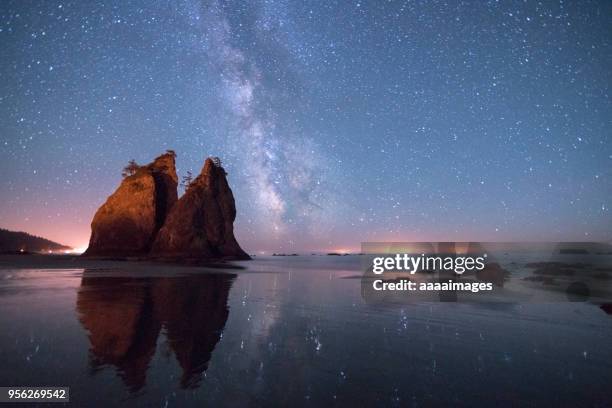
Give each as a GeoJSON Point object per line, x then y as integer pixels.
{"type": "Point", "coordinates": [163, 170]}
{"type": "Point", "coordinates": [201, 223]}
{"type": "Point", "coordinates": [127, 223]}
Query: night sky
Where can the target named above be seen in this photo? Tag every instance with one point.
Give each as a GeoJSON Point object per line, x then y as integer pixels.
{"type": "Point", "coordinates": [338, 122]}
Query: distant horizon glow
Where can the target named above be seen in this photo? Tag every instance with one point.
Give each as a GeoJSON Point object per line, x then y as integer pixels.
{"type": "Point", "coordinates": [337, 123]}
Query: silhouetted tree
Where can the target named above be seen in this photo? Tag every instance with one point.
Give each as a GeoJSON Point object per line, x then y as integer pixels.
{"type": "Point", "coordinates": [172, 152]}
{"type": "Point", "coordinates": [187, 180]}
{"type": "Point", "coordinates": [130, 169]}
{"type": "Point", "coordinates": [216, 161]}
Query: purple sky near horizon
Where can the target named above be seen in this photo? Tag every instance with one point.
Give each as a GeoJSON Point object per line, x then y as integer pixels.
{"type": "Point", "coordinates": [338, 122]}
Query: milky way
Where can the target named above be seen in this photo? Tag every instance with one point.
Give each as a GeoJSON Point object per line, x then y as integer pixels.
{"type": "Point", "coordinates": [280, 164]}
{"type": "Point", "coordinates": [338, 122]}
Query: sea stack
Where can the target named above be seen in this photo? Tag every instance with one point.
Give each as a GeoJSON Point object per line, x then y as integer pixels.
{"type": "Point", "coordinates": [145, 218]}
{"type": "Point", "coordinates": [201, 224]}
{"type": "Point", "coordinates": [128, 222]}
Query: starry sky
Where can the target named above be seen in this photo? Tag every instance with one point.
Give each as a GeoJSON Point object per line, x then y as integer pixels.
{"type": "Point", "coordinates": [338, 122]}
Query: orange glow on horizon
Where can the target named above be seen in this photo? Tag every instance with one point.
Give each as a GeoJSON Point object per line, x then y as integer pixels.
{"type": "Point", "coordinates": [341, 251]}
{"type": "Point", "coordinates": [77, 251]}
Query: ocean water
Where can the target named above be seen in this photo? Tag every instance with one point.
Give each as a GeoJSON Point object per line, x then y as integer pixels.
{"type": "Point", "coordinates": [293, 331]}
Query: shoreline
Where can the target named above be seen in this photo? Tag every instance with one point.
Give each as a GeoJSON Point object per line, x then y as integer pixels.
{"type": "Point", "coordinates": [60, 261]}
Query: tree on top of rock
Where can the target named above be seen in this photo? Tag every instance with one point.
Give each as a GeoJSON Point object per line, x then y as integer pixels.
{"type": "Point", "coordinates": [216, 161]}
{"type": "Point", "coordinates": [187, 180]}
{"type": "Point", "coordinates": [130, 169]}
{"type": "Point", "coordinates": [171, 152]}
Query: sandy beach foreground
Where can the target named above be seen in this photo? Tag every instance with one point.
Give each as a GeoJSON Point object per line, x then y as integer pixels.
{"type": "Point", "coordinates": [287, 331]}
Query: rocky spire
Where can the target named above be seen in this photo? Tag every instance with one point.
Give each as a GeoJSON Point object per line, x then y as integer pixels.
{"type": "Point", "coordinates": [127, 223]}
{"type": "Point", "coordinates": [201, 223]}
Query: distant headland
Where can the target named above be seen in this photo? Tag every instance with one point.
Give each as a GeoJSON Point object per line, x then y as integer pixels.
{"type": "Point", "coordinates": [145, 218]}
{"type": "Point", "coordinates": [22, 242]}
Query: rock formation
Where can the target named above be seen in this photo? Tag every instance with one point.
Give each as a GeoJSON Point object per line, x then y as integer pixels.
{"type": "Point", "coordinates": [144, 218]}
{"type": "Point", "coordinates": [200, 225]}
{"type": "Point", "coordinates": [127, 223]}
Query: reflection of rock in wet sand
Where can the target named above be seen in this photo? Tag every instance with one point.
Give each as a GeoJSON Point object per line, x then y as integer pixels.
{"type": "Point", "coordinates": [193, 311]}
{"type": "Point", "coordinates": [124, 317]}
{"type": "Point", "coordinates": [117, 314]}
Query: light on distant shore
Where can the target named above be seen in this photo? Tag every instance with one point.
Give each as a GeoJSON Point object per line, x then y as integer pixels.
{"type": "Point", "coordinates": [78, 250]}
